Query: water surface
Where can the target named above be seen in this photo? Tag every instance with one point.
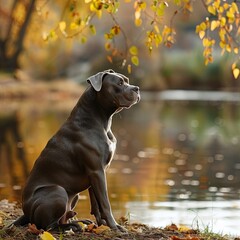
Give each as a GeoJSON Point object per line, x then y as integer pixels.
{"type": "Point", "coordinates": [176, 161]}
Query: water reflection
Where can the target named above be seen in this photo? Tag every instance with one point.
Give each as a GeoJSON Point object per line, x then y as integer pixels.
{"type": "Point", "coordinates": [12, 153]}
{"type": "Point", "coordinates": [167, 152]}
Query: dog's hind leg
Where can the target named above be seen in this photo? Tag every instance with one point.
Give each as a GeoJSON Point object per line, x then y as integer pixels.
{"type": "Point", "coordinates": [48, 206]}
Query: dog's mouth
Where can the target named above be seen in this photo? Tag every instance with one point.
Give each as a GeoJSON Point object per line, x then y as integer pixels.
{"type": "Point", "coordinates": [127, 100]}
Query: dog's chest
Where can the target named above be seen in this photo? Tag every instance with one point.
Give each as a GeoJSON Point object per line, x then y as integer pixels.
{"type": "Point", "coordinates": [110, 148]}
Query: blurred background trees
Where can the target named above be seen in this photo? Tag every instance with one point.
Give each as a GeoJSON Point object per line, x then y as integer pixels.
{"type": "Point", "coordinates": [168, 43]}
{"type": "Point", "coordinates": [15, 20]}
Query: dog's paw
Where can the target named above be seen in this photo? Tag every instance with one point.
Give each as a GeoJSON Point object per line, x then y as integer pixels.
{"type": "Point", "coordinates": [121, 229]}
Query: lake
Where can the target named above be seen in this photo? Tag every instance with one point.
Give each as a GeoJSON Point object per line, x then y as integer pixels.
{"type": "Point", "coordinates": [177, 161]}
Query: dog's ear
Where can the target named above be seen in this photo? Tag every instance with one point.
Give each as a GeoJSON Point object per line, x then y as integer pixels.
{"type": "Point", "coordinates": [96, 81]}
{"type": "Point", "coordinates": [109, 71]}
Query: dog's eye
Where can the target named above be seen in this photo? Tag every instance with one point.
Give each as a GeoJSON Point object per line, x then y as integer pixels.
{"type": "Point", "coordinates": [120, 83]}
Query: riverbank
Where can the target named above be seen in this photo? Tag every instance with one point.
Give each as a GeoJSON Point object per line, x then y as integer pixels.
{"type": "Point", "coordinates": [137, 231]}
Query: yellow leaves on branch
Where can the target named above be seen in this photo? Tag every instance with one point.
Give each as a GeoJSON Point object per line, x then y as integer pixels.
{"type": "Point", "coordinates": [208, 48]}
{"type": "Point", "coordinates": [223, 20]}
{"type": "Point", "coordinates": [226, 21]}
{"type": "Point", "coordinates": [134, 55]}
{"type": "Point", "coordinates": [97, 6]}
{"type": "Point", "coordinates": [139, 7]}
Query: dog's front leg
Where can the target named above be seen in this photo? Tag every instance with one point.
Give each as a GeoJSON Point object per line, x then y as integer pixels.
{"type": "Point", "coordinates": [95, 208]}
{"type": "Point", "coordinates": [99, 188]}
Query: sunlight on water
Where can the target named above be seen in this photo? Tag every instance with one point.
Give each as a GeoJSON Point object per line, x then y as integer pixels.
{"type": "Point", "coordinates": [195, 214]}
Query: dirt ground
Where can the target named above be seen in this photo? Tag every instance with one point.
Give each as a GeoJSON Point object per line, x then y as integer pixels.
{"type": "Point", "coordinates": [136, 231]}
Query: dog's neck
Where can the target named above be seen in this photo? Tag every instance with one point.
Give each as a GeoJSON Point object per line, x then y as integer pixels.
{"type": "Point", "coordinates": [93, 109]}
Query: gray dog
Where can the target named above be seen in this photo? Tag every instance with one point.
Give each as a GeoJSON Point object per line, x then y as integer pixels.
{"type": "Point", "coordinates": [77, 156]}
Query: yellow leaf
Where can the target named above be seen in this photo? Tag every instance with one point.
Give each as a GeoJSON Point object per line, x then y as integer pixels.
{"type": "Point", "coordinates": [201, 34]}
{"type": "Point", "coordinates": [212, 10]}
{"type": "Point", "coordinates": [206, 42]}
{"type": "Point", "coordinates": [235, 50]}
{"type": "Point", "coordinates": [203, 26]}
{"type": "Point", "coordinates": [216, 3]}
{"type": "Point", "coordinates": [223, 21]}
{"type": "Point", "coordinates": [222, 34]}
{"type": "Point", "coordinates": [133, 50]}
{"type": "Point", "coordinates": [88, 1]}
{"type": "Point", "coordinates": [156, 28]}
{"type": "Point", "coordinates": [52, 35]}
{"type": "Point", "coordinates": [135, 60]}
{"type": "Point", "coordinates": [45, 36]}
{"type": "Point", "coordinates": [83, 40]}
{"type": "Point", "coordinates": [62, 26]}
{"type": "Point", "coordinates": [183, 228]}
{"type": "Point", "coordinates": [220, 9]}
{"type": "Point", "coordinates": [137, 14]}
{"type": "Point", "coordinates": [161, 9]}
{"type": "Point", "coordinates": [115, 30]}
{"type": "Point", "coordinates": [234, 66]}
{"type": "Point", "coordinates": [47, 236]}
{"type": "Point", "coordinates": [228, 48]}
{"type": "Point", "coordinates": [92, 7]}
{"type": "Point", "coordinates": [82, 225]}
{"type": "Point", "coordinates": [138, 22]}
{"type": "Point", "coordinates": [236, 72]}
{"type": "Point", "coordinates": [235, 7]}
{"type": "Point", "coordinates": [129, 68]}
{"type": "Point", "coordinates": [214, 25]}
{"type": "Point", "coordinates": [93, 29]}
{"type": "Point", "coordinates": [222, 44]}
{"type": "Point", "coordinates": [108, 46]}
{"type": "Point", "coordinates": [73, 26]}
{"type": "Point", "coordinates": [142, 5]}
{"type": "Point", "coordinates": [99, 14]}
{"type": "Point", "coordinates": [109, 58]}
{"type": "Point", "coordinates": [230, 14]}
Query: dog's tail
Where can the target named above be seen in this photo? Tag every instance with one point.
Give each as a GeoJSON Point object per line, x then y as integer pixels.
{"type": "Point", "coordinates": [21, 221]}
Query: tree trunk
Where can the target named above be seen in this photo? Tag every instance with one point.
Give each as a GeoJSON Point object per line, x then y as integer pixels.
{"type": "Point", "coordinates": [11, 62]}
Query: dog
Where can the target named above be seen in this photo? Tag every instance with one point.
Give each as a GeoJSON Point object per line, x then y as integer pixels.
{"type": "Point", "coordinates": [77, 156]}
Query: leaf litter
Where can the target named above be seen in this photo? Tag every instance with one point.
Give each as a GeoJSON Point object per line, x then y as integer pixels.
{"type": "Point", "coordinates": [135, 231]}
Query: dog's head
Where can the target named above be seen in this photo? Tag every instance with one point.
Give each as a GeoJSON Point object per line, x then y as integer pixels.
{"type": "Point", "coordinates": [115, 88]}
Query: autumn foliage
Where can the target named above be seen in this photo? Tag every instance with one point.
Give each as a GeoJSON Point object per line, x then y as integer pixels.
{"type": "Point", "coordinates": [220, 28]}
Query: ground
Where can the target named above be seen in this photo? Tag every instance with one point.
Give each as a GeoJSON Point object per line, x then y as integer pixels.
{"type": "Point", "coordinates": [137, 231]}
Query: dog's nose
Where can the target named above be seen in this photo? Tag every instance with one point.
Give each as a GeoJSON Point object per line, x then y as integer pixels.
{"type": "Point", "coordinates": [135, 89]}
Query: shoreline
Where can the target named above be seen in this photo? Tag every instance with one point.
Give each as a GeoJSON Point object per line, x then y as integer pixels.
{"type": "Point", "coordinates": [9, 211]}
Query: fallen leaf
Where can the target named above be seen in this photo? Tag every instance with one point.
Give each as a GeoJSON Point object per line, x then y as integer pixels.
{"type": "Point", "coordinates": [136, 229]}
{"type": "Point", "coordinates": [183, 228]}
{"type": "Point", "coordinates": [3, 214]}
{"type": "Point", "coordinates": [90, 227]}
{"type": "Point", "coordinates": [33, 229]}
{"type": "Point", "coordinates": [175, 238]}
{"type": "Point", "coordinates": [101, 229]}
{"type": "Point", "coordinates": [172, 227]}
{"type": "Point", "coordinates": [83, 226]}
{"type": "Point", "coordinates": [1, 221]}
{"type": "Point", "coordinates": [47, 236]}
